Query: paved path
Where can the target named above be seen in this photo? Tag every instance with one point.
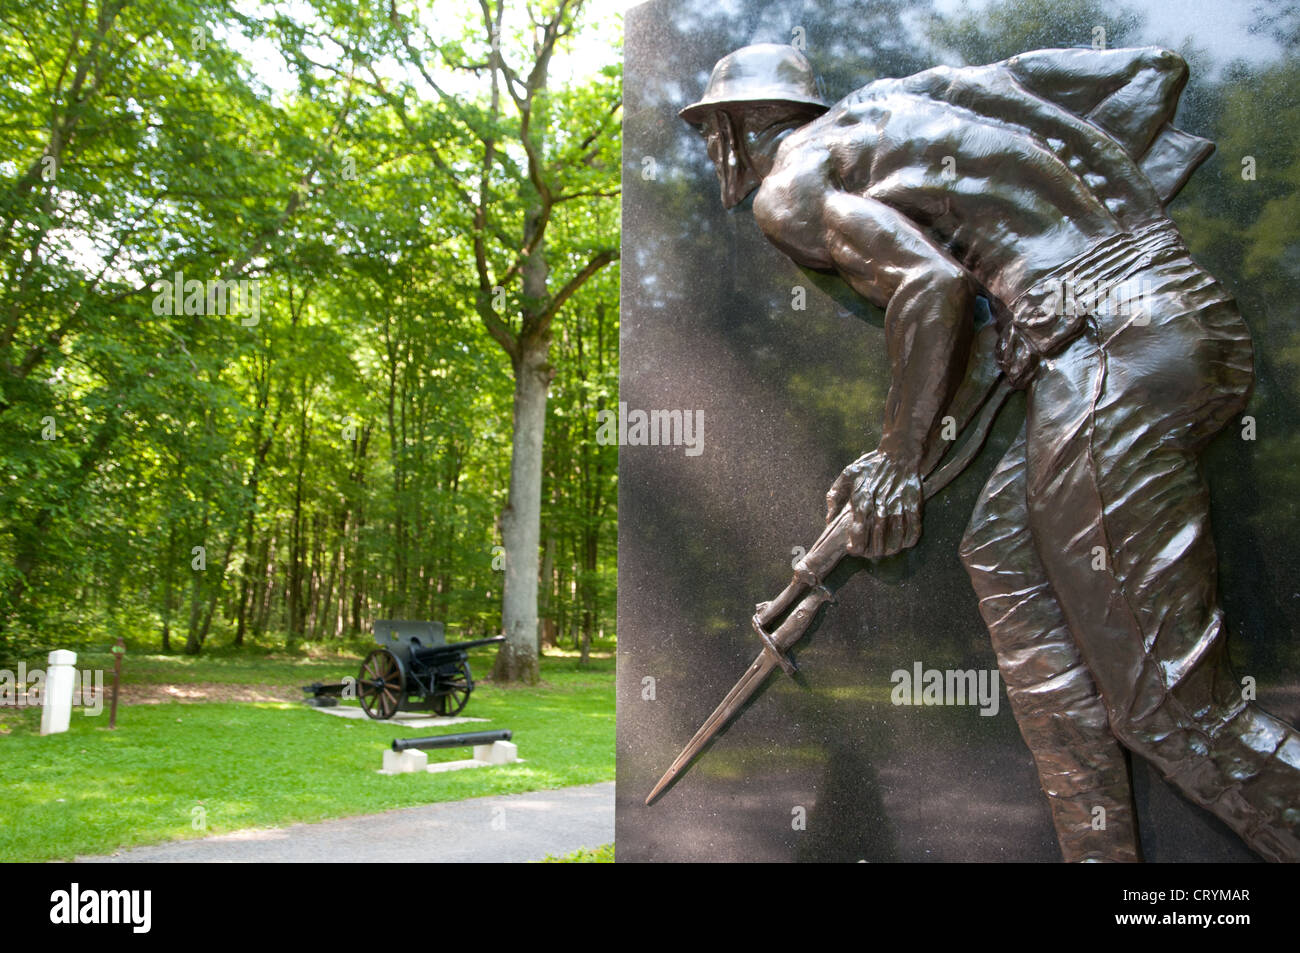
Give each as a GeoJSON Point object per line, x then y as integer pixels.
{"type": "Point", "coordinates": [505, 829]}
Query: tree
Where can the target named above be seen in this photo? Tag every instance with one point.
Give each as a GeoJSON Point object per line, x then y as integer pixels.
{"type": "Point", "coordinates": [184, 474]}
{"type": "Point", "coordinates": [535, 154]}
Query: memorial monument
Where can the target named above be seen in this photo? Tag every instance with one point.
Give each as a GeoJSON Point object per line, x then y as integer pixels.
{"type": "Point", "coordinates": [1020, 205]}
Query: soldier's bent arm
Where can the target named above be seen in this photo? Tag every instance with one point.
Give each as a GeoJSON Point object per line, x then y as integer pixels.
{"type": "Point", "coordinates": [926, 295]}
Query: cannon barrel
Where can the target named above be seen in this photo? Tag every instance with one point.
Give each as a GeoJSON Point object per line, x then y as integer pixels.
{"type": "Point", "coordinates": [451, 650]}
{"type": "Point", "coordinates": [476, 643]}
{"type": "Point", "coordinates": [452, 741]}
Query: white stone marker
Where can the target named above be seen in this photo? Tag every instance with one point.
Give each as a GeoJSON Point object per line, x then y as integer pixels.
{"type": "Point", "coordinates": [404, 762]}
{"type": "Point", "coordinates": [56, 705]}
{"type": "Point", "coordinates": [498, 752]}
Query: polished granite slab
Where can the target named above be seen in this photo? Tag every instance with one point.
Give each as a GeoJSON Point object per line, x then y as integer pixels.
{"type": "Point", "coordinates": [825, 767]}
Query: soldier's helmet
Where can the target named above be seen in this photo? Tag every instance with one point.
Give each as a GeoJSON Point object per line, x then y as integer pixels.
{"type": "Point", "coordinates": [762, 74]}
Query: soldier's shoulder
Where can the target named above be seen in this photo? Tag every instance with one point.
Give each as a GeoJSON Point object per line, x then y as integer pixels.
{"type": "Point", "coordinates": [939, 82]}
{"type": "Point", "coordinates": [876, 89]}
{"type": "Point", "coordinates": [804, 147]}
{"type": "Point", "coordinates": [936, 83]}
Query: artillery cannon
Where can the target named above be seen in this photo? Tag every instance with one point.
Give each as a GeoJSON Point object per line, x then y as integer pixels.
{"type": "Point", "coordinates": [415, 668]}
{"type": "Point", "coordinates": [468, 740]}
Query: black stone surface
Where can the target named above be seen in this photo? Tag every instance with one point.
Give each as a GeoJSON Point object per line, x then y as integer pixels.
{"type": "Point", "coordinates": [791, 396]}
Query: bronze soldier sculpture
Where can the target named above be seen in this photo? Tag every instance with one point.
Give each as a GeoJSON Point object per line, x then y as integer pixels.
{"type": "Point", "coordinates": [1040, 183]}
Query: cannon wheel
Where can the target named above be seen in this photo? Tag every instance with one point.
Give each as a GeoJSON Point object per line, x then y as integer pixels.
{"type": "Point", "coordinates": [457, 687]}
{"type": "Point", "coordinates": [381, 685]}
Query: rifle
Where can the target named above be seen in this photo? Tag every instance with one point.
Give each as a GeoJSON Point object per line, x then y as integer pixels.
{"type": "Point", "coordinates": [977, 402]}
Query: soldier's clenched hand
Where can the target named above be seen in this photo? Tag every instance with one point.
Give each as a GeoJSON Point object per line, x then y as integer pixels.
{"type": "Point", "coordinates": [887, 500]}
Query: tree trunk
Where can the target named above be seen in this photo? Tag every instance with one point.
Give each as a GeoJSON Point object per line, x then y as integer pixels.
{"type": "Point", "coordinates": [169, 574]}
{"type": "Point", "coordinates": [521, 522]}
{"type": "Point", "coordinates": [193, 636]}
{"type": "Point", "coordinates": [268, 585]}
{"type": "Point", "coordinates": [215, 593]}
{"type": "Point", "coordinates": [590, 542]}
{"type": "Point", "coordinates": [250, 568]}
{"type": "Point", "coordinates": [547, 597]}
{"type": "Point", "coordinates": [294, 582]}
{"type": "Point", "coordinates": [193, 640]}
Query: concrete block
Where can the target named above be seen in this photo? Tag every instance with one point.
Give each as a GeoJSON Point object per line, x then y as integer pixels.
{"type": "Point", "coordinates": [404, 762]}
{"type": "Point", "coordinates": [498, 752]}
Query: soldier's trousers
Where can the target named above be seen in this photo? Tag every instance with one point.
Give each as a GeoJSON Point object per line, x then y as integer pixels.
{"type": "Point", "coordinates": [1090, 551]}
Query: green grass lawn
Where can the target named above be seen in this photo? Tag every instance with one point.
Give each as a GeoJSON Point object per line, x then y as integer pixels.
{"type": "Point", "coordinates": [604, 854]}
{"type": "Point", "coordinates": [169, 769]}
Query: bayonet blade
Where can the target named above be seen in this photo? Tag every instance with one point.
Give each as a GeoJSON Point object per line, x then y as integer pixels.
{"type": "Point", "coordinates": [787, 634]}
{"type": "Point", "coordinates": [749, 683]}
{"type": "Point", "coordinates": [812, 570]}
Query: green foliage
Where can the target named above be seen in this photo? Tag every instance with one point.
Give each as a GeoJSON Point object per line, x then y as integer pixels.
{"type": "Point", "coordinates": [604, 854]}
{"type": "Point", "coordinates": [341, 452]}
{"type": "Point", "coordinates": [1001, 30]}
